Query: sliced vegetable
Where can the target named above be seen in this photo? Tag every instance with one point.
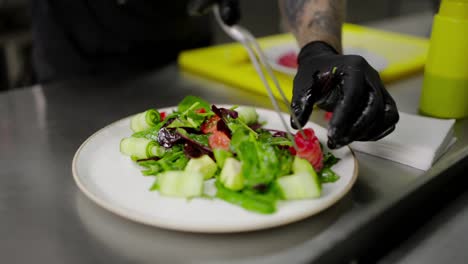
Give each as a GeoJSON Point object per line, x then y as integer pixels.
{"type": "Point", "coordinates": [209, 126]}
{"type": "Point", "coordinates": [203, 165]}
{"type": "Point", "coordinates": [247, 114]}
{"type": "Point", "coordinates": [302, 165]}
{"type": "Point", "coordinates": [168, 182]}
{"type": "Point", "coordinates": [298, 186]}
{"type": "Point", "coordinates": [180, 184]}
{"type": "Point", "coordinates": [231, 175]}
{"type": "Point", "coordinates": [145, 120]}
{"type": "Point", "coordinates": [140, 148]}
{"type": "Point", "coordinates": [308, 147]}
{"type": "Point", "coordinates": [303, 184]}
{"type": "Point", "coordinates": [219, 140]}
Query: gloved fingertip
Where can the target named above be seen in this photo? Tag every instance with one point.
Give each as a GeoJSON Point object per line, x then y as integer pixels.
{"type": "Point", "coordinates": [331, 144]}
{"type": "Point", "coordinates": [296, 124]}
{"type": "Point", "coordinates": [293, 124]}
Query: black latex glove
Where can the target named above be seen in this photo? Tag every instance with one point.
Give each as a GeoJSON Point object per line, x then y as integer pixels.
{"type": "Point", "coordinates": [349, 87]}
{"type": "Point", "coordinates": [228, 9]}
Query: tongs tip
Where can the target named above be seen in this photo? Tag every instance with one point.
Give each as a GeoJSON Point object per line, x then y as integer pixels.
{"type": "Point", "coordinates": [259, 59]}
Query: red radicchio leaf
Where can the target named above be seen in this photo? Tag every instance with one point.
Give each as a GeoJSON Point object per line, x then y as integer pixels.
{"type": "Point", "coordinates": [193, 130]}
{"type": "Point", "coordinates": [168, 137]}
{"type": "Point", "coordinates": [224, 112]}
{"type": "Point", "coordinates": [193, 150]}
{"type": "Point", "coordinates": [193, 142]}
{"type": "Point", "coordinates": [152, 158]}
{"type": "Point", "coordinates": [222, 127]}
{"type": "Point", "coordinates": [261, 187]}
{"type": "Point", "coordinates": [277, 133]}
{"type": "Point", "coordinates": [169, 121]}
{"type": "Point", "coordinates": [280, 134]}
{"type": "Point", "coordinates": [255, 126]}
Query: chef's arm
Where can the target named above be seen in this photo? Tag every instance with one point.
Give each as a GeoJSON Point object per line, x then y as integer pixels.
{"type": "Point", "coordinates": [315, 20]}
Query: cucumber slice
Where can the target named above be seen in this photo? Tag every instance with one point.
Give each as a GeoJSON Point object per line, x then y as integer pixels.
{"type": "Point", "coordinates": [302, 165]}
{"type": "Point", "coordinates": [138, 122]}
{"type": "Point", "coordinates": [180, 184]}
{"type": "Point", "coordinates": [169, 181]}
{"type": "Point", "coordinates": [145, 120]}
{"type": "Point", "coordinates": [140, 148]}
{"type": "Point", "coordinates": [299, 186]}
{"type": "Point", "coordinates": [203, 165]}
{"type": "Point", "coordinates": [231, 175]}
{"type": "Point", "coordinates": [303, 184]}
{"type": "Point", "coordinates": [247, 114]}
{"type": "Point", "coordinates": [191, 185]}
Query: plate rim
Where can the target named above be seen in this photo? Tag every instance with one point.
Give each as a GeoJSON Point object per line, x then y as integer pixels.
{"type": "Point", "coordinates": [164, 225]}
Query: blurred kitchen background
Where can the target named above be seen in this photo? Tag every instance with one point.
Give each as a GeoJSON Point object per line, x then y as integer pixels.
{"type": "Point", "coordinates": [260, 16]}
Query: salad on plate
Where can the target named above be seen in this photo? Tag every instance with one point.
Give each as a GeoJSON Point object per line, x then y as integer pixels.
{"type": "Point", "coordinates": [250, 165]}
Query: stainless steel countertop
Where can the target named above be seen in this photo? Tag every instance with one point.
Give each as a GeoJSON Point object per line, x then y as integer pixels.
{"type": "Point", "coordinates": [442, 240]}
{"type": "Point", "coordinates": [44, 217]}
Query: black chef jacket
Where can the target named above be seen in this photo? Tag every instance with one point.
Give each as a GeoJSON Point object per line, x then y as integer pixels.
{"type": "Point", "coordinates": [82, 37]}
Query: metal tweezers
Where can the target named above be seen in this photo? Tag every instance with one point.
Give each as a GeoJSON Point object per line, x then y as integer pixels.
{"type": "Point", "coordinates": [258, 59]}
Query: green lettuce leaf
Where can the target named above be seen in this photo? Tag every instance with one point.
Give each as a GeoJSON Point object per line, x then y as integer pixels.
{"type": "Point", "coordinates": [327, 175]}
{"type": "Point", "coordinates": [190, 100]}
{"type": "Point", "coordinates": [264, 204]}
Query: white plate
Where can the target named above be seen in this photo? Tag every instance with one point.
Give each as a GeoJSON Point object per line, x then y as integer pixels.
{"type": "Point", "coordinates": [114, 182]}
{"type": "Point", "coordinates": [274, 53]}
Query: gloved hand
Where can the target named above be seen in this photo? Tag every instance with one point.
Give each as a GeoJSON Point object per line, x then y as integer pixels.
{"type": "Point", "coordinates": [228, 9]}
{"type": "Point", "coordinates": [349, 87]}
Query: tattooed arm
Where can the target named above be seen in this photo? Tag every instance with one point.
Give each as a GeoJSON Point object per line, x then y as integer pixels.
{"type": "Point", "coordinates": [315, 20]}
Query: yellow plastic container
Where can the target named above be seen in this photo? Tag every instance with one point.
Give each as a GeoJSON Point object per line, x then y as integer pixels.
{"type": "Point", "coordinates": [445, 86]}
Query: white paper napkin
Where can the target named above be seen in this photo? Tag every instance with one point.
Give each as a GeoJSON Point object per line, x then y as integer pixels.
{"type": "Point", "coordinates": [416, 141]}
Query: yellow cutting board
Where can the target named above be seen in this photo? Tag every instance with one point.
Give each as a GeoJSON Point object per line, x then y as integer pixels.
{"type": "Point", "coordinates": [230, 64]}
